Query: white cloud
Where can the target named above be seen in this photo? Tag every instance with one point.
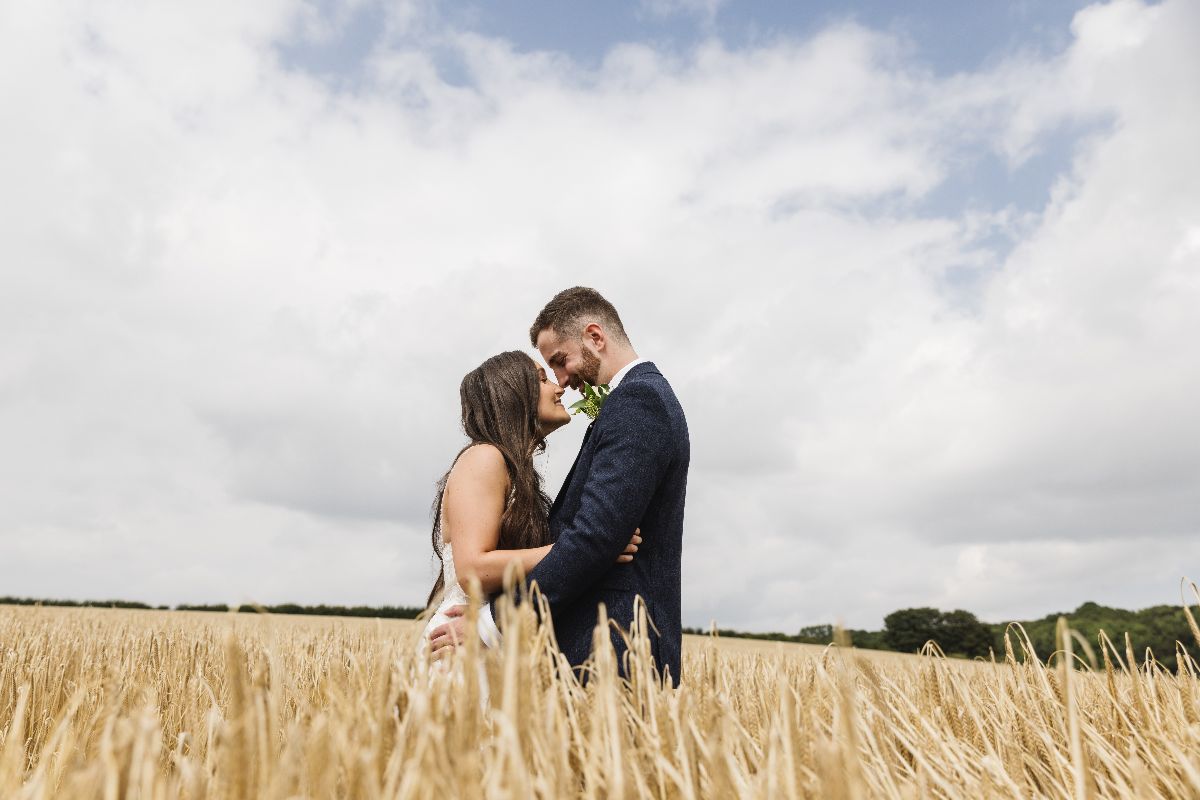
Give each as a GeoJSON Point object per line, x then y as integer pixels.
{"type": "Point", "coordinates": [237, 303]}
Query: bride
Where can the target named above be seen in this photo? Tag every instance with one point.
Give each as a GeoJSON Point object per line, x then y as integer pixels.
{"type": "Point", "coordinates": [490, 507]}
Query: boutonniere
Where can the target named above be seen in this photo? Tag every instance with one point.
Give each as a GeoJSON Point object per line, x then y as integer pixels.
{"type": "Point", "coordinates": [592, 402]}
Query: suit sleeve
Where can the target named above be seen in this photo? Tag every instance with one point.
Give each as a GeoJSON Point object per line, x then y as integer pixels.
{"type": "Point", "coordinates": [630, 459]}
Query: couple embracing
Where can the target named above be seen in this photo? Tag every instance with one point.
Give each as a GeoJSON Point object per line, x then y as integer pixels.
{"type": "Point", "coordinates": [615, 530]}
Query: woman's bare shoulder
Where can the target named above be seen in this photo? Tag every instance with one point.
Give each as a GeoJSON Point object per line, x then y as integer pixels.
{"type": "Point", "coordinates": [481, 462]}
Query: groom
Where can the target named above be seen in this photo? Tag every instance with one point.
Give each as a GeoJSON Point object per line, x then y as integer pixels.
{"type": "Point", "coordinates": [631, 472]}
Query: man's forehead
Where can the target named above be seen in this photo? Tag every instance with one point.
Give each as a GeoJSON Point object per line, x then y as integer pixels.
{"type": "Point", "coordinates": [550, 343]}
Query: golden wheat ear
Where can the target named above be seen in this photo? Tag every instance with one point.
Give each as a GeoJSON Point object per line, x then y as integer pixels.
{"type": "Point", "coordinates": [1188, 611]}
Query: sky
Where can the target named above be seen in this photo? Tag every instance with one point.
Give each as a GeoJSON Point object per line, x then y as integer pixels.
{"type": "Point", "coordinates": [925, 278]}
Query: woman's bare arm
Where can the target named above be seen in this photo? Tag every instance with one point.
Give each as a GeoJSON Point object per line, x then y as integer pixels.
{"type": "Point", "coordinates": [475, 497]}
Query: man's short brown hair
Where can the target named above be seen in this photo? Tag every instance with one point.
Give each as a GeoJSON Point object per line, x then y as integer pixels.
{"type": "Point", "coordinates": [567, 311]}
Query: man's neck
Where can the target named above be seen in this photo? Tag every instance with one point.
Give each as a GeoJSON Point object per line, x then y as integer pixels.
{"type": "Point", "coordinates": [608, 371]}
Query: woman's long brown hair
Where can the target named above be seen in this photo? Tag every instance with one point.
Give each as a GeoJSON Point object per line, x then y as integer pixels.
{"type": "Point", "coordinates": [499, 407]}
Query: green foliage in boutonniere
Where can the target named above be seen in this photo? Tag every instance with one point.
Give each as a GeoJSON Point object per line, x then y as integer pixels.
{"type": "Point", "coordinates": [593, 400]}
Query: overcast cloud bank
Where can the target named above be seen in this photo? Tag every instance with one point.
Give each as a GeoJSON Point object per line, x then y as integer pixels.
{"type": "Point", "coordinates": [238, 297]}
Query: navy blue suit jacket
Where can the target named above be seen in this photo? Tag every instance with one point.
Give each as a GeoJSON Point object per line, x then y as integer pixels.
{"type": "Point", "coordinates": [631, 472]}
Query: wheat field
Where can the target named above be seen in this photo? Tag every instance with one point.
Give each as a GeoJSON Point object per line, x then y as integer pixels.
{"type": "Point", "coordinates": [98, 703]}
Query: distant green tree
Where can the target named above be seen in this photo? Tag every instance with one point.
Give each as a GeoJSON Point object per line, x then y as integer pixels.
{"type": "Point", "coordinates": [1155, 629]}
{"type": "Point", "coordinates": [816, 634]}
{"type": "Point", "coordinates": [907, 630]}
{"type": "Point", "coordinates": [868, 640]}
{"type": "Point", "coordinates": [960, 633]}
{"type": "Point", "coordinates": [956, 632]}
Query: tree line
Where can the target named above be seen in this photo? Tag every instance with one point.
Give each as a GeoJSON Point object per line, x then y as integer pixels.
{"type": "Point", "coordinates": [1157, 631]}
{"type": "Point", "coordinates": [391, 612]}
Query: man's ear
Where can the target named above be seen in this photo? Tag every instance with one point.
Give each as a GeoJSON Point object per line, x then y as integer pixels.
{"type": "Point", "coordinates": [595, 334]}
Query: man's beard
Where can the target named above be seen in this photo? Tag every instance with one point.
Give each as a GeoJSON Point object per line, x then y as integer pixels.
{"type": "Point", "coordinates": [589, 368]}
